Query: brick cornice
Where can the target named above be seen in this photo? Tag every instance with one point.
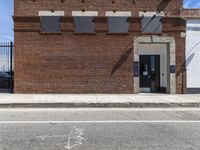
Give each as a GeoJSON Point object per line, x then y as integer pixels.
{"type": "Point", "coordinates": [26, 19]}
{"type": "Point", "coordinates": [190, 13]}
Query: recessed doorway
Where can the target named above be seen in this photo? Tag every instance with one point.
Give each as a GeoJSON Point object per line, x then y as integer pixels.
{"type": "Point", "coordinates": [165, 47]}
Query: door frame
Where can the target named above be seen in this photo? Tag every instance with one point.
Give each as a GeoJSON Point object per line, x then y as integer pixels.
{"type": "Point", "coordinates": [171, 60]}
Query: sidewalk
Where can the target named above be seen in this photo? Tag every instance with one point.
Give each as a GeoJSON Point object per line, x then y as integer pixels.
{"type": "Point", "coordinates": [98, 100]}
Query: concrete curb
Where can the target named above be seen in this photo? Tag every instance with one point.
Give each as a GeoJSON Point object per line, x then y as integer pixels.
{"type": "Point", "coordinates": [100, 105]}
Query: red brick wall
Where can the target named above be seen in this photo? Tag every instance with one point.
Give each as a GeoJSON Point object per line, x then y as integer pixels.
{"type": "Point", "coordinates": [69, 63]}
{"type": "Point", "coordinates": [31, 7]}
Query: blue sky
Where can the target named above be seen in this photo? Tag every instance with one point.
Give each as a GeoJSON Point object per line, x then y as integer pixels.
{"type": "Point", "coordinates": [6, 13]}
{"type": "Point", "coordinates": [6, 23]}
{"type": "Point", "coordinates": [191, 4]}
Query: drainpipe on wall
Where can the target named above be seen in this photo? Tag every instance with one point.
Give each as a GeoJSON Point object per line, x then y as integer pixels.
{"type": "Point", "coordinates": [184, 72]}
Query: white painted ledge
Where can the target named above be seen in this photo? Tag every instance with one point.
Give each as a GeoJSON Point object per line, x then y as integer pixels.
{"type": "Point", "coordinates": [51, 13]}
{"type": "Point", "coordinates": [118, 13]}
{"type": "Point", "coordinates": [84, 13]}
{"type": "Point", "coordinates": [151, 13]}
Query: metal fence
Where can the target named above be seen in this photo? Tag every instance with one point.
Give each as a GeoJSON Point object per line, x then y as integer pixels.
{"type": "Point", "coordinates": [6, 66]}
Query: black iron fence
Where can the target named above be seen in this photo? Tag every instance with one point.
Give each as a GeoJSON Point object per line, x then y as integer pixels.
{"type": "Point", "coordinates": [6, 66]}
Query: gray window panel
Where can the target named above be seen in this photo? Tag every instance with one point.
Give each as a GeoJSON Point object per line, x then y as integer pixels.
{"type": "Point", "coordinates": [118, 25]}
{"type": "Point", "coordinates": [152, 24]}
{"type": "Point", "coordinates": [50, 24]}
{"type": "Point", "coordinates": [84, 24]}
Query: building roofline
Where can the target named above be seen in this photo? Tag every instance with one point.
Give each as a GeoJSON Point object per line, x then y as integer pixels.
{"type": "Point", "coordinates": [192, 13]}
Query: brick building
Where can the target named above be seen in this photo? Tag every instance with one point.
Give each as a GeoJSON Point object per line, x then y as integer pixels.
{"type": "Point", "coordinates": [192, 52]}
{"type": "Point", "coordinates": [99, 46]}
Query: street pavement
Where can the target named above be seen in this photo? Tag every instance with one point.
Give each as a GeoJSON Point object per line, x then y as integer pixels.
{"type": "Point", "coordinates": [100, 129]}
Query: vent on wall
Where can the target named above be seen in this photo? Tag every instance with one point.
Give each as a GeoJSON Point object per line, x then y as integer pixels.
{"type": "Point", "coordinates": [118, 25]}
{"type": "Point", "coordinates": [152, 24]}
{"type": "Point", "coordinates": [84, 24]}
{"type": "Point", "coordinates": [50, 24]}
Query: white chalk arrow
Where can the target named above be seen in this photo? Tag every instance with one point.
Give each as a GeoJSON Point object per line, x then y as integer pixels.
{"type": "Point", "coordinates": [75, 138]}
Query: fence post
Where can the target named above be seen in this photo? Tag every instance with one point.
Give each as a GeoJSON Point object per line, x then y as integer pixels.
{"type": "Point", "coordinates": [11, 66]}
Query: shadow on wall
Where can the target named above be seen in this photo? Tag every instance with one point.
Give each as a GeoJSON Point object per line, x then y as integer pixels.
{"type": "Point", "coordinates": [193, 28]}
{"type": "Point", "coordinates": [163, 4]}
{"type": "Point", "coordinates": [120, 62]}
{"type": "Point", "coordinates": [191, 56]}
{"type": "Point", "coordinates": [185, 63]}
{"type": "Point", "coordinates": [188, 53]}
{"type": "Point", "coordinates": [189, 59]}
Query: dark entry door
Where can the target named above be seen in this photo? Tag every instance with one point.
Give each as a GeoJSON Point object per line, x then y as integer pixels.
{"type": "Point", "coordinates": [150, 72]}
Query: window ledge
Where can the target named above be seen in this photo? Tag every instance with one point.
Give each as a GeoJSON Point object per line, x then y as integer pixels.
{"type": "Point", "coordinates": [151, 33]}
{"type": "Point", "coordinates": [55, 33]}
{"type": "Point", "coordinates": [84, 33]}
{"type": "Point", "coordinates": [117, 33]}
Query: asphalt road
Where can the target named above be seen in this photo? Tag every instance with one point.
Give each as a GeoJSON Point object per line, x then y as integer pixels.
{"type": "Point", "coordinates": [100, 129]}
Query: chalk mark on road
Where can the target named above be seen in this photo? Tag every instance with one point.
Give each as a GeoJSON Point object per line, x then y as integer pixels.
{"type": "Point", "coordinates": [43, 137]}
{"type": "Point", "coordinates": [74, 138]}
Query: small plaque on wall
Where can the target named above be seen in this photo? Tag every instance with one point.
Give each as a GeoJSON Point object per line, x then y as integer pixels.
{"type": "Point", "coordinates": [136, 68]}
{"type": "Point", "coordinates": [172, 69]}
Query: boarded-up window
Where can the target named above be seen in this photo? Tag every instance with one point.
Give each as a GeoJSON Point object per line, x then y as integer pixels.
{"type": "Point", "coordinates": [50, 24]}
{"type": "Point", "coordinates": [152, 24]}
{"type": "Point", "coordinates": [118, 25]}
{"type": "Point", "coordinates": [84, 24]}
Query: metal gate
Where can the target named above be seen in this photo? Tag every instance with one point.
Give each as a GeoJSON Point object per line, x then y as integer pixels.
{"type": "Point", "coordinates": [6, 67]}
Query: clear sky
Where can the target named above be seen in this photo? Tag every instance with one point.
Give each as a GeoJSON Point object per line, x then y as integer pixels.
{"type": "Point", "coordinates": [6, 23]}
{"type": "Point", "coordinates": [6, 13]}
